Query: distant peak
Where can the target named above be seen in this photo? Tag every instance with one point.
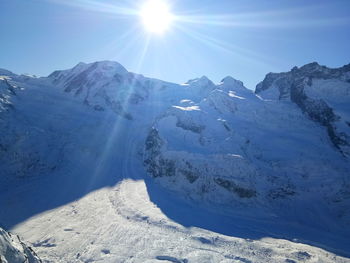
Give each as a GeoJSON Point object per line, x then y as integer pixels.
{"type": "Point", "coordinates": [311, 66]}
{"type": "Point", "coordinates": [231, 81]}
{"type": "Point", "coordinates": [204, 80]}
{"type": "Point", "coordinates": [5, 72]}
{"type": "Point", "coordinates": [227, 78]}
{"type": "Point", "coordinates": [107, 65]}
{"type": "Point", "coordinates": [104, 68]}
{"type": "Point", "coordinates": [80, 64]}
{"type": "Point", "coordinates": [107, 62]}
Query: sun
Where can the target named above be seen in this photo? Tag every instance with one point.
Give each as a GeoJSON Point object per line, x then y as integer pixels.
{"type": "Point", "coordinates": [156, 16]}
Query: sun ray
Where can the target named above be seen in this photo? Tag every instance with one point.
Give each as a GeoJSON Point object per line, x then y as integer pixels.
{"type": "Point", "coordinates": [115, 49]}
{"type": "Point", "coordinates": [226, 47]}
{"type": "Point", "coordinates": [98, 6]}
{"type": "Point", "coordinates": [117, 127]}
{"type": "Point", "coordinates": [280, 18]}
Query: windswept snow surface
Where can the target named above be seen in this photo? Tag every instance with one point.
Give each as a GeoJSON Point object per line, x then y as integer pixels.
{"type": "Point", "coordinates": [102, 165]}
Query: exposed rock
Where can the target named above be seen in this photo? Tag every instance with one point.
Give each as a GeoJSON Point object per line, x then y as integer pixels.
{"type": "Point", "coordinates": [13, 250]}
{"type": "Point", "coordinates": [234, 188]}
{"type": "Point", "coordinates": [282, 192]}
{"type": "Point", "coordinates": [190, 175]}
{"type": "Point", "coordinates": [190, 126]}
{"type": "Point", "coordinates": [157, 166]}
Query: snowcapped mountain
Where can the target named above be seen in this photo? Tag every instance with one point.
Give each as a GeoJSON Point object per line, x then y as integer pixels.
{"type": "Point", "coordinates": [150, 158]}
{"type": "Point", "coordinates": [234, 147]}
{"type": "Point", "coordinates": [321, 93]}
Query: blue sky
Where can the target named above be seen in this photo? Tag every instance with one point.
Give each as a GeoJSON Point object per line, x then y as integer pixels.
{"type": "Point", "coordinates": [242, 38]}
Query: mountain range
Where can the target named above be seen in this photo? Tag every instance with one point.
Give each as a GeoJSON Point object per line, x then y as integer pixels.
{"type": "Point", "coordinates": [101, 164]}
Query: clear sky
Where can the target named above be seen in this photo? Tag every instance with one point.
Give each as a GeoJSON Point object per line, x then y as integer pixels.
{"type": "Point", "coordinates": [242, 38]}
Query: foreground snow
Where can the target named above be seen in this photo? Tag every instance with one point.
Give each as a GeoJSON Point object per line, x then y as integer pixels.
{"type": "Point", "coordinates": [121, 224]}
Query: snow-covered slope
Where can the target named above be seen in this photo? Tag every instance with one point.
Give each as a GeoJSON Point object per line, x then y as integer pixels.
{"type": "Point", "coordinates": [101, 164]}
{"type": "Point", "coordinates": [13, 250]}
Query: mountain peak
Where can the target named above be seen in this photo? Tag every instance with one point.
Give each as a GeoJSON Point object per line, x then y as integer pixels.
{"type": "Point", "coordinates": [5, 72]}
{"type": "Point", "coordinates": [314, 66]}
{"type": "Point", "coordinates": [204, 80]}
{"type": "Point", "coordinates": [103, 66]}
{"type": "Point", "coordinates": [230, 83]}
{"type": "Point", "coordinates": [80, 64]}
{"type": "Point", "coordinates": [83, 70]}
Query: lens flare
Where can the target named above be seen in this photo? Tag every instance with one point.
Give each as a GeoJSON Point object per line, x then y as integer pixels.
{"type": "Point", "coordinates": [156, 16]}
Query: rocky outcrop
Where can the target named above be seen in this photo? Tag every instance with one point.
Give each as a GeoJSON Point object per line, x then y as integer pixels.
{"type": "Point", "coordinates": [7, 94]}
{"type": "Point", "coordinates": [157, 166]}
{"type": "Point", "coordinates": [14, 250]}
{"type": "Point", "coordinates": [232, 187]}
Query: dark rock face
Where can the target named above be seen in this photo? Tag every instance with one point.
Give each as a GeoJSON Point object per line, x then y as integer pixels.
{"type": "Point", "coordinates": [234, 188]}
{"type": "Point", "coordinates": [292, 85]}
{"type": "Point", "coordinates": [268, 81]}
{"type": "Point", "coordinates": [157, 166]}
{"type": "Point", "coordinates": [160, 167]}
{"type": "Point", "coordinates": [153, 142]}
{"type": "Point", "coordinates": [190, 173]}
{"type": "Point", "coordinates": [319, 111]}
{"type": "Point", "coordinates": [282, 192]}
{"type": "Point", "coordinates": [189, 126]}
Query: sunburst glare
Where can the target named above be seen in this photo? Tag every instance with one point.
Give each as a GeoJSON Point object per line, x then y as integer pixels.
{"type": "Point", "coordinates": [156, 16]}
